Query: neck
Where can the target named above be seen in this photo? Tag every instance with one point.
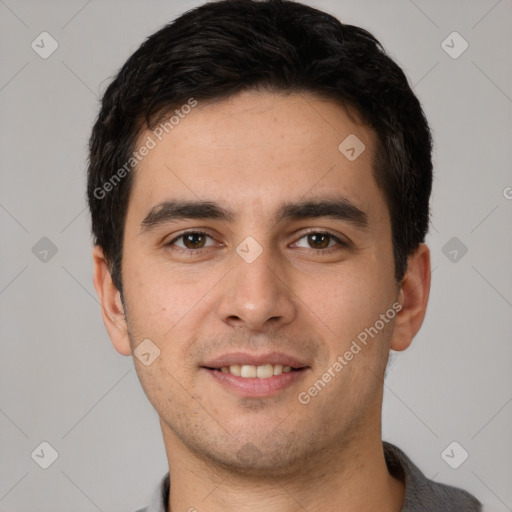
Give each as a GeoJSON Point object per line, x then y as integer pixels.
{"type": "Point", "coordinates": [349, 477]}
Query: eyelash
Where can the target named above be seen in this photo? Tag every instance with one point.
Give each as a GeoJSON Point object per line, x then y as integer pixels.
{"type": "Point", "coordinates": [191, 252]}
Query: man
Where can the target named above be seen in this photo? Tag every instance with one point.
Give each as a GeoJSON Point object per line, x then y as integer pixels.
{"type": "Point", "coordinates": [259, 186]}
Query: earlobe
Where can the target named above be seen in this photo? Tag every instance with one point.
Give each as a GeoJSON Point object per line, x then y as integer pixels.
{"type": "Point", "coordinates": [413, 296]}
{"type": "Point", "coordinates": [112, 309]}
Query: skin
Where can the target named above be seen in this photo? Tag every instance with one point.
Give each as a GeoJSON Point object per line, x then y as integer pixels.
{"type": "Point", "coordinates": [226, 452]}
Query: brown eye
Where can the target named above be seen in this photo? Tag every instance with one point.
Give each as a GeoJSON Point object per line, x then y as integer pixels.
{"type": "Point", "coordinates": [191, 240]}
{"type": "Point", "coordinates": [321, 241]}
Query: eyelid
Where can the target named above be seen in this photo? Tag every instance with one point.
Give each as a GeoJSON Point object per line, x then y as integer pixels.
{"type": "Point", "coordinates": [189, 232]}
{"type": "Point", "coordinates": [341, 241]}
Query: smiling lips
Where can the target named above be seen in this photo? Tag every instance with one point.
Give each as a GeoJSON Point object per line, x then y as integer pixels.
{"type": "Point", "coordinates": [253, 375]}
{"type": "Point", "coordinates": [264, 371]}
{"type": "Point", "coordinates": [261, 366]}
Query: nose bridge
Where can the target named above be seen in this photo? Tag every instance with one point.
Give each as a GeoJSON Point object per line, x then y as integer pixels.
{"type": "Point", "coordinates": [254, 291]}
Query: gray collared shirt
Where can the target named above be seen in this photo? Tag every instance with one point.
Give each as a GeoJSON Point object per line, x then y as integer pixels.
{"type": "Point", "coordinates": [421, 494]}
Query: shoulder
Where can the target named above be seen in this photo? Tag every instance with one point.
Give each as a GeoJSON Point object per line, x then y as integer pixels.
{"type": "Point", "coordinates": [423, 494]}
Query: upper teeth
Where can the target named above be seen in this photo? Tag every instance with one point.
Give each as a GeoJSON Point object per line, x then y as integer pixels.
{"type": "Point", "coordinates": [264, 371]}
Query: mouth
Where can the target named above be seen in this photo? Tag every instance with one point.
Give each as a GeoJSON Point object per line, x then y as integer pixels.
{"type": "Point", "coordinates": [256, 376]}
{"type": "Point", "coordinates": [249, 371]}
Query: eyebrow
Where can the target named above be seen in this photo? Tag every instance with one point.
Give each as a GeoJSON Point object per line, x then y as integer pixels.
{"type": "Point", "coordinates": [338, 208]}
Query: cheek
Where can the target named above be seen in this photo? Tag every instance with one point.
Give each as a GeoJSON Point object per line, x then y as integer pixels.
{"type": "Point", "coordinates": [162, 385]}
{"type": "Point", "coordinates": [163, 301]}
{"type": "Point", "coordinates": [150, 303]}
{"type": "Point", "coordinates": [347, 300]}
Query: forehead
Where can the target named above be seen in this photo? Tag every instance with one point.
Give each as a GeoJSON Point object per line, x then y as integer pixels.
{"type": "Point", "coordinates": [255, 150]}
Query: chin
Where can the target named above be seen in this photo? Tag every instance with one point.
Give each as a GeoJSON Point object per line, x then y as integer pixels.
{"type": "Point", "coordinates": [265, 457]}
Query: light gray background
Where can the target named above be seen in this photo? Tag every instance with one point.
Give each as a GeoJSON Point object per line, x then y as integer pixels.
{"type": "Point", "coordinates": [60, 379]}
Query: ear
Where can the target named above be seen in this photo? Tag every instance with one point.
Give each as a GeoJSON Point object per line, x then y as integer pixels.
{"type": "Point", "coordinates": [413, 296]}
{"type": "Point", "coordinates": [111, 306]}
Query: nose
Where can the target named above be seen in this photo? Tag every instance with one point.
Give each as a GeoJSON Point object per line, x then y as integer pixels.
{"type": "Point", "coordinates": [257, 295]}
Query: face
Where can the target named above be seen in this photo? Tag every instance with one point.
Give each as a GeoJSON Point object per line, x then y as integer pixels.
{"type": "Point", "coordinates": [288, 265]}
